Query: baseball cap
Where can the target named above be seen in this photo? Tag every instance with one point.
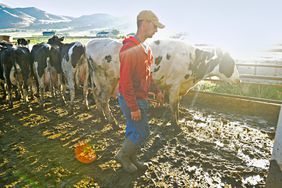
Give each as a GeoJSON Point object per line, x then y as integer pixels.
{"type": "Point", "coordinates": [148, 15]}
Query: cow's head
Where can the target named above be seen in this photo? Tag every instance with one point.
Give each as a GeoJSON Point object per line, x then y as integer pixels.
{"type": "Point", "coordinates": [23, 42]}
{"type": "Point", "coordinates": [223, 66]}
{"type": "Point", "coordinates": [55, 40]}
{"type": "Point", "coordinates": [217, 63]}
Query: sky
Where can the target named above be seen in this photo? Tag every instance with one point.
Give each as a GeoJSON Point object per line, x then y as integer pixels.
{"type": "Point", "coordinates": [239, 26]}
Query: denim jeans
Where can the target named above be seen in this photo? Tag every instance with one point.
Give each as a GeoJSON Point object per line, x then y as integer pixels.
{"type": "Point", "coordinates": [136, 131]}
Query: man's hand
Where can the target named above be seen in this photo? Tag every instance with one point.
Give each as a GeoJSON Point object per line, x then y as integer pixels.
{"type": "Point", "coordinates": [136, 115]}
{"type": "Point", "coordinates": [160, 97]}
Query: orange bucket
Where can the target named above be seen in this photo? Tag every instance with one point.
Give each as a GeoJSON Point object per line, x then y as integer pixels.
{"type": "Point", "coordinates": [85, 153]}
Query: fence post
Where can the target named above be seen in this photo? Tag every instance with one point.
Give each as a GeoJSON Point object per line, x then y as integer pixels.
{"type": "Point", "coordinates": [274, 178]}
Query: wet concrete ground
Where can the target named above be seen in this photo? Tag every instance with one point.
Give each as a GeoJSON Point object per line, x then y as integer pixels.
{"type": "Point", "coordinates": [212, 149]}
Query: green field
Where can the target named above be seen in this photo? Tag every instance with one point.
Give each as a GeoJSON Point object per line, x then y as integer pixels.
{"type": "Point", "coordinates": [39, 39]}
{"type": "Point", "coordinates": [272, 92]}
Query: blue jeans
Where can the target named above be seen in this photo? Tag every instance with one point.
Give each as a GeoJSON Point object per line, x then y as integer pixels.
{"type": "Point", "coordinates": [136, 131]}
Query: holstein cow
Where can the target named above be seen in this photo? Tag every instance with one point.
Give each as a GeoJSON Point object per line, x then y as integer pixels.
{"type": "Point", "coordinates": [16, 70]}
{"type": "Point", "coordinates": [46, 68]}
{"type": "Point", "coordinates": [22, 42]}
{"type": "Point", "coordinates": [103, 59]}
{"type": "Point", "coordinates": [179, 67]}
{"type": "Point", "coordinates": [74, 66]}
{"type": "Point", "coordinates": [3, 46]}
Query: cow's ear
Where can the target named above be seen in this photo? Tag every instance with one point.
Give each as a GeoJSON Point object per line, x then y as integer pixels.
{"type": "Point", "coordinates": [62, 39]}
{"type": "Point", "coordinates": [28, 41]}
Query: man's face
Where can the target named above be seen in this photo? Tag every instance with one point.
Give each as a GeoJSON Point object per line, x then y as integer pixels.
{"type": "Point", "coordinates": [150, 29]}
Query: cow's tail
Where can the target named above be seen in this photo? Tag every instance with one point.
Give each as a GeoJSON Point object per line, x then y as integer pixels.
{"type": "Point", "coordinates": [91, 67]}
{"type": "Point", "coordinates": [91, 71]}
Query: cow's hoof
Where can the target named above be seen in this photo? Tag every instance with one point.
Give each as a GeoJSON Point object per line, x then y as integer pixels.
{"type": "Point", "coordinates": [71, 111]}
{"type": "Point", "coordinates": [29, 108]}
{"type": "Point", "coordinates": [85, 108]}
{"type": "Point", "coordinates": [18, 97]}
{"type": "Point", "coordinates": [42, 105]}
{"type": "Point", "coordinates": [11, 104]}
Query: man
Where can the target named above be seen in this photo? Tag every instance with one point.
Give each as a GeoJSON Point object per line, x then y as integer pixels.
{"type": "Point", "coordinates": [134, 83]}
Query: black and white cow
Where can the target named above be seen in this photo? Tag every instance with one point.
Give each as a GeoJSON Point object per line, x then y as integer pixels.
{"type": "Point", "coordinates": [16, 63]}
{"type": "Point", "coordinates": [179, 67]}
{"type": "Point", "coordinates": [103, 59]}
{"type": "Point", "coordinates": [22, 42]}
{"type": "Point", "coordinates": [176, 69]}
{"type": "Point", "coordinates": [3, 46]}
{"type": "Point", "coordinates": [46, 68]}
{"type": "Point", "coordinates": [74, 66]}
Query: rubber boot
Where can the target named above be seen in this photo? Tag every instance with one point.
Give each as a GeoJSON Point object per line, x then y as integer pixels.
{"type": "Point", "coordinates": [123, 156]}
{"type": "Point", "coordinates": [140, 165]}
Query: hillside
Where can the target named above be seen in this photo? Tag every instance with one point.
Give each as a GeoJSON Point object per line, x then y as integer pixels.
{"type": "Point", "coordinates": [34, 18]}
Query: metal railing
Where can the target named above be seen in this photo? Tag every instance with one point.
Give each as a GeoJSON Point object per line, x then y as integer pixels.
{"type": "Point", "coordinates": [259, 78]}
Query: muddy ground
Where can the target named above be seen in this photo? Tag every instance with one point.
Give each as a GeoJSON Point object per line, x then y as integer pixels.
{"type": "Point", "coordinates": [212, 150]}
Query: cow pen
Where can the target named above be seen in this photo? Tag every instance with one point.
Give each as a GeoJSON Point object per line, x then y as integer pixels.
{"type": "Point", "coordinates": [220, 145]}
{"type": "Point", "coordinates": [225, 141]}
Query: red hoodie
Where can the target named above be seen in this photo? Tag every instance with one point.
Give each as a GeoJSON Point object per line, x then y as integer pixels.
{"type": "Point", "coordinates": [135, 75]}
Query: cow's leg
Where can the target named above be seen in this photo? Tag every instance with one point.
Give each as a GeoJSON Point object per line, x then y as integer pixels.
{"type": "Point", "coordinates": [62, 87]}
{"type": "Point", "coordinates": [25, 93]}
{"type": "Point", "coordinates": [91, 77]}
{"type": "Point", "coordinates": [174, 105]}
{"type": "Point", "coordinates": [7, 70]}
{"type": "Point", "coordinates": [17, 90]}
{"type": "Point", "coordinates": [39, 80]}
{"type": "Point", "coordinates": [51, 82]}
{"type": "Point", "coordinates": [36, 78]}
{"type": "Point", "coordinates": [41, 90]}
{"type": "Point", "coordinates": [102, 98]}
{"type": "Point", "coordinates": [17, 81]}
{"type": "Point", "coordinates": [70, 80]}
{"type": "Point", "coordinates": [30, 83]}
{"type": "Point", "coordinates": [85, 88]}
{"type": "Point", "coordinates": [37, 86]}
{"type": "Point", "coordinates": [107, 111]}
{"type": "Point", "coordinates": [56, 84]}
{"type": "Point", "coordinates": [101, 102]}
{"type": "Point", "coordinates": [9, 88]}
{"type": "Point", "coordinates": [3, 86]}
{"type": "Point", "coordinates": [96, 95]}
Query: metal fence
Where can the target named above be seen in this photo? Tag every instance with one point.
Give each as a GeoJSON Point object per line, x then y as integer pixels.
{"type": "Point", "coordinates": [261, 72]}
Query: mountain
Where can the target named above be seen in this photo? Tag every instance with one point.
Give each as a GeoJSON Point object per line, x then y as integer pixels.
{"type": "Point", "coordinates": [42, 16]}
{"type": "Point", "coordinates": [34, 18]}
{"type": "Point", "coordinates": [12, 18]}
